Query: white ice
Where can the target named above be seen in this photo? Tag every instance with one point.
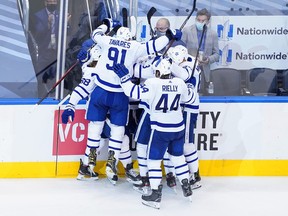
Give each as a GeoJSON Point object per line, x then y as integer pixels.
{"type": "Point", "coordinates": [219, 196]}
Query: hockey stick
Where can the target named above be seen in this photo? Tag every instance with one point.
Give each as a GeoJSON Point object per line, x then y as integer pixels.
{"type": "Point", "coordinates": [108, 8]}
{"type": "Point", "coordinates": [111, 33]}
{"type": "Point", "coordinates": [114, 30]}
{"type": "Point", "coordinates": [149, 15]}
{"type": "Point", "coordinates": [133, 27]}
{"type": "Point", "coordinates": [42, 71]}
{"type": "Point", "coordinates": [57, 83]}
{"type": "Point", "coordinates": [37, 74]}
{"type": "Point", "coordinates": [188, 17]}
{"type": "Point", "coordinates": [89, 15]}
{"type": "Point", "coordinates": [125, 17]}
{"type": "Point", "coordinates": [199, 45]}
{"type": "Point", "coordinates": [182, 26]}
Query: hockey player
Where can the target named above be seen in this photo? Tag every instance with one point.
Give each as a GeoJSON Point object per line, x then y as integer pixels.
{"type": "Point", "coordinates": [125, 156]}
{"type": "Point", "coordinates": [143, 70]}
{"type": "Point", "coordinates": [108, 95]}
{"type": "Point", "coordinates": [164, 95]}
{"type": "Point", "coordinates": [182, 67]}
{"type": "Point", "coordinates": [88, 57]}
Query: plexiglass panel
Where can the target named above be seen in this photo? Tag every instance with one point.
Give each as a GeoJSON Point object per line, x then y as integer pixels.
{"type": "Point", "coordinates": [251, 34]}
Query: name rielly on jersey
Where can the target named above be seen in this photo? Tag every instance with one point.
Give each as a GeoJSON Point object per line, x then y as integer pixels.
{"type": "Point", "coordinates": [120, 43]}
{"type": "Point", "coordinates": [169, 88]}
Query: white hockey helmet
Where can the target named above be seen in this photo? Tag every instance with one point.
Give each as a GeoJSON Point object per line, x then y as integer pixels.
{"type": "Point", "coordinates": [124, 33]}
{"type": "Point", "coordinates": [163, 66]}
{"type": "Point", "coordinates": [178, 53]}
{"type": "Point", "coordinates": [95, 53]}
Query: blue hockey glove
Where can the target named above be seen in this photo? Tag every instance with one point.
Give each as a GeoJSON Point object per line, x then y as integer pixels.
{"type": "Point", "coordinates": [69, 112]}
{"type": "Point", "coordinates": [175, 34]}
{"type": "Point", "coordinates": [83, 56]}
{"type": "Point", "coordinates": [122, 72]}
{"type": "Point", "coordinates": [87, 44]}
{"type": "Point", "coordinates": [156, 59]}
{"type": "Point", "coordinates": [111, 24]}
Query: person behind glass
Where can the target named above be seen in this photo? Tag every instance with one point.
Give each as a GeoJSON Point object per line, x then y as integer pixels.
{"type": "Point", "coordinates": [44, 27]}
{"type": "Point", "coordinates": [162, 25]}
{"type": "Point", "coordinates": [209, 48]}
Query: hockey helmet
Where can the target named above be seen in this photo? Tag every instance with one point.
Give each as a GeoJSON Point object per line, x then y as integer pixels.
{"type": "Point", "coordinates": [163, 66]}
{"type": "Point", "coordinates": [124, 33]}
{"type": "Point", "coordinates": [178, 53]}
{"type": "Point", "coordinates": [95, 53]}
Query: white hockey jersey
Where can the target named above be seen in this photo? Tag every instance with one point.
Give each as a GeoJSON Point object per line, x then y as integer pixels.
{"type": "Point", "coordinates": [164, 97]}
{"type": "Point", "coordinates": [143, 70]}
{"type": "Point", "coordinates": [115, 50]}
{"type": "Point", "coordinates": [185, 72]}
{"type": "Point", "coordinates": [85, 87]}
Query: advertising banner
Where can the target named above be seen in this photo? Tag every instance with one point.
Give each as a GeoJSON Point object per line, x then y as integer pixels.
{"type": "Point", "coordinates": [250, 136]}
{"type": "Point", "coordinates": [71, 138]}
{"type": "Point", "coordinates": [223, 131]}
{"type": "Point", "coordinates": [247, 42]}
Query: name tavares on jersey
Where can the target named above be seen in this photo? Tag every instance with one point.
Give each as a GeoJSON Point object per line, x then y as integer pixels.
{"type": "Point", "coordinates": [120, 43]}
{"type": "Point", "coordinates": [169, 88]}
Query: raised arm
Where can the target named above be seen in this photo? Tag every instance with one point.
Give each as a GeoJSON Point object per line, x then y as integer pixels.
{"type": "Point", "coordinates": [131, 90]}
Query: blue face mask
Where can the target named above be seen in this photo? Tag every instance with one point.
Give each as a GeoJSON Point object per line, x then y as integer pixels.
{"type": "Point", "coordinates": [199, 25]}
{"type": "Point", "coordinates": [159, 34]}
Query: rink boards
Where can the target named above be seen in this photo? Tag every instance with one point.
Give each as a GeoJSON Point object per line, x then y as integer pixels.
{"type": "Point", "coordinates": [235, 136]}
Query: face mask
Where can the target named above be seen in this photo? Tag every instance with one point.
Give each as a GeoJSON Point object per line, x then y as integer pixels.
{"type": "Point", "coordinates": [200, 25]}
{"type": "Point", "coordinates": [51, 7]}
{"type": "Point", "coordinates": [159, 34]}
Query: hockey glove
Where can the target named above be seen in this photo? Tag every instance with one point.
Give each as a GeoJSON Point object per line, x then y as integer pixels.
{"type": "Point", "coordinates": [122, 72]}
{"type": "Point", "coordinates": [156, 59]}
{"type": "Point", "coordinates": [83, 56]}
{"type": "Point", "coordinates": [69, 112]}
{"type": "Point", "coordinates": [87, 44]}
{"type": "Point", "coordinates": [175, 34]}
{"type": "Point", "coordinates": [111, 24]}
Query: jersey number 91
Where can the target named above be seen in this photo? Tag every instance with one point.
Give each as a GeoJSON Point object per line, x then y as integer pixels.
{"type": "Point", "coordinates": [114, 54]}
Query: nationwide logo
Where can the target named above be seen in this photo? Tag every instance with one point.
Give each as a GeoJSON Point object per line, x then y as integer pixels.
{"type": "Point", "coordinates": [225, 35]}
{"type": "Point", "coordinates": [225, 55]}
{"type": "Point", "coordinates": [225, 31]}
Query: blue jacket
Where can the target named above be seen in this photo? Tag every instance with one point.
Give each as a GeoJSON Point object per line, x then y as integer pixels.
{"type": "Point", "coordinates": [40, 29]}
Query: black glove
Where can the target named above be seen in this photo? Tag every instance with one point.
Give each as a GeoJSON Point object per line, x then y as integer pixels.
{"type": "Point", "coordinates": [111, 24]}
{"type": "Point", "coordinates": [175, 34]}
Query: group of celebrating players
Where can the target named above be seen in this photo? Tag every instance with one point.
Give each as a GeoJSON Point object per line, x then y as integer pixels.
{"type": "Point", "coordinates": [118, 70]}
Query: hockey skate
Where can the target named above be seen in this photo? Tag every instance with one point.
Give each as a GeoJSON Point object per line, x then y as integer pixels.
{"type": "Point", "coordinates": [111, 170]}
{"type": "Point", "coordinates": [144, 187]}
{"type": "Point", "coordinates": [171, 181]}
{"type": "Point", "coordinates": [131, 175]}
{"type": "Point", "coordinates": [85, 173]}
{"type": "Point", "coordinates": [92, 157]}
{"type": "Point", "coordinates": [186, 188]}
{"type": "Point", "coordinates": [195, 180]}
{"type": "Point", "coordinates": [153, 200]}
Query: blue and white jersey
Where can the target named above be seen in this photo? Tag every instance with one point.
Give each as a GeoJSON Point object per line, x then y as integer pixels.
{"type": "Point", "coordinates": [116, 50]}
{"type": "Point", "coordinates": [185, 72]}
{"type": "Point", "coordinates": [164, 97]}
{"type": "Point", "coordinates": [85, 87]}
{"type": "Point", "coordinates": [143, 70]}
